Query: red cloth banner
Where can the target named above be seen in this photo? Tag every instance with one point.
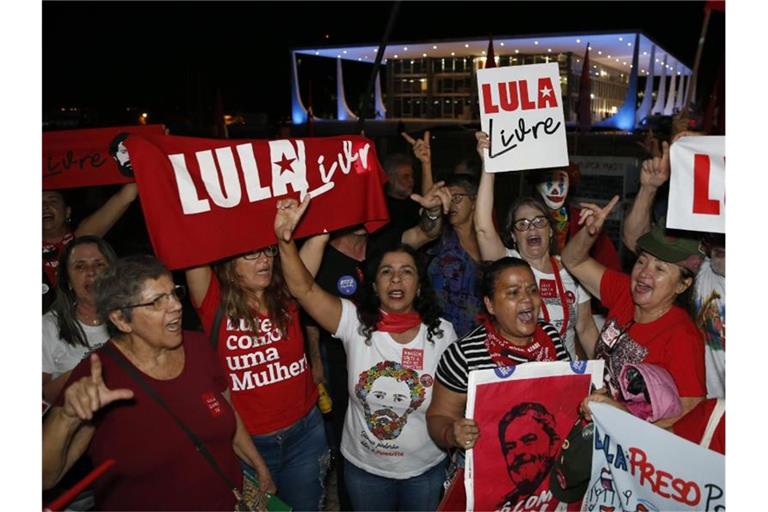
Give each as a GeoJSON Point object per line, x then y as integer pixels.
{"type": "Point", "coordinates": [82, 158]}
{"type": "Point", "coordinates": [208, 199]}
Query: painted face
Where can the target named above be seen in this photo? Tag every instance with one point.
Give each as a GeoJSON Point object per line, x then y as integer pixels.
{"type": "Point", "coordinates": [527, 452]}
{"type": "Point", "coordinates": [401, 182]}
{"type": "Point", "coordinates": [655, 283]}
{"type": "Point", "coordinates": [397, 282]}
{"type": "Point", "coordinates": [158, 325]}
{"type": "Point", "coordinates": [85, 263]}
{"type": "Point", "coordinates": [255, 273]}
{"type": "Point", "coordinates": [515, 303]}
{"type": "Point", "coordinates": [554, 189]}
{"type": "Point", "coordinates": [462, 206]}
{"type": "Point", "coordinates": [533, 243]}
{"type": "Point", "coordinates": [55, 212]}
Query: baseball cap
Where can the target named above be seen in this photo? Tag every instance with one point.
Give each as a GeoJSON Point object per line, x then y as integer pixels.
{"type": "Point", "coordinates": [672, 247]}
{"type": "Point", "coordinates": [572, 468]}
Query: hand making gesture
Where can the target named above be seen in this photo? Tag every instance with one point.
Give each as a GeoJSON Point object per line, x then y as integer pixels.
{"type": "Point", "coordinates": [594, 217]}
{"type": "Point", "coordinates": [89, 394]}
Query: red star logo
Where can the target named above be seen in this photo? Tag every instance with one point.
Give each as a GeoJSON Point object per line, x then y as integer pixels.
{"type": "Point", "coordinates": [285, 164]}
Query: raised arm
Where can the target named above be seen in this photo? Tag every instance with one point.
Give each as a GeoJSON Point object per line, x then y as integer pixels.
{"type": "Point", "coordinates": [312, 250]}
{"type": "Point", "coordinates": [575, 255]}
{"type": "Point", "coordinates": [68, 429]}
{"type": "Point", "coordinates": [198, 281]}
{"type": "Point", "coordinates": [423, 153]}
{"type": "Point", "coordinates": [435, 202]}
{"type": "Point", "coordinates": [321, 305]}
{"type": "Point", "coordinates": [488, 239]}
{"type": "Point", "coordinates": [653, 174]}
{"type": "Point", "coordinates": [102, 220]}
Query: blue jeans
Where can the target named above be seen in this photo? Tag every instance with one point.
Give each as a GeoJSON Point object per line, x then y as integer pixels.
{"type": "Point", "coordinates": [298, 459]}
{"type": "Point", "coordinates": [372, 492]}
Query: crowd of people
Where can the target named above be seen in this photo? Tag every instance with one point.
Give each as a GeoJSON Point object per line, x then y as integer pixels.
{"type": "Point", "coordinates": [393, 322]}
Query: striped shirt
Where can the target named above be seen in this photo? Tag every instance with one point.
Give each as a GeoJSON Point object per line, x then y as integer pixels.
{"type": "Point", "coordinates": [470, 353]}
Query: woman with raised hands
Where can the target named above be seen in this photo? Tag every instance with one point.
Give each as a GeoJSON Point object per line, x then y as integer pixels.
{"type": "Point", "coordinates": [393, 342]}
{"type": "Point", "coordinates": [527, 233]}
{"type": "Point", "coordinates": [643, 324]}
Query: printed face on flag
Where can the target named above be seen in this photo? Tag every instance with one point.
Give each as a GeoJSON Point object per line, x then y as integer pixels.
{"type": "Point", "coordinates": [521, 111]}
{"type": "Point", "coordinates": [522, 424]}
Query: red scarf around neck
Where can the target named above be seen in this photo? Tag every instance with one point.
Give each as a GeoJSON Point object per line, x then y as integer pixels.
{"type": "Point", "coordinates": [397, 322]}
{"type": "Point", "coordinates": [501, 350]}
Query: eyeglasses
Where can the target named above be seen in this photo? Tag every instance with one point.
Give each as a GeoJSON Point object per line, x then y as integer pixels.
{"type": "Point", "coordinates": [269, 252]}
{"type": "Point", "coordinates": [457, 197]}
{"type": "Point", "coordinates": [163, 300]}
{"type": "Point", "coordinates": [524, 224]}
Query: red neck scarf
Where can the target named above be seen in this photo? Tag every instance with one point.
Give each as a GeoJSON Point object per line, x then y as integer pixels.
{"type": "Point", "coordinates": [397, 322]}
{"type": "Point", "coordinates": [504, 353]}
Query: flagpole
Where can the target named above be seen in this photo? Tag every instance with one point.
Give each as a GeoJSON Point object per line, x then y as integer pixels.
{"type": "Point", "coordinates": [699, 50]}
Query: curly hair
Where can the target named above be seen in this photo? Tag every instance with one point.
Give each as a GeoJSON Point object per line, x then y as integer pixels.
{"type": "Point", "coordinates": [65, 301]}
{"type": "Point", "coordinates": [234, 300]}
{"type": "Point", "coordinates": [425, 302]}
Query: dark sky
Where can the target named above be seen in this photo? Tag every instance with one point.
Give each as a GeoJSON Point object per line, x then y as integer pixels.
{"type": "Point", "coordinates": [162, 56]}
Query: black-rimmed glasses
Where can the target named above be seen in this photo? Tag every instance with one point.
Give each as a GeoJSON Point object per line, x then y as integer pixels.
{"type": "Point", "coordinates": [269, 252]}
{"type": "Point", "coordinates": [537, 222]}
{"type": "Point", "coordinates": [163, 300]}
{"type": "Point", "coordinates": [458, 196]}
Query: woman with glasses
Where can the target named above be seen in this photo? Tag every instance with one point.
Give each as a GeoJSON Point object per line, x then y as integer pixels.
{"type": "Point", "coordinates": [528, 234]}
{"type": "Point", "coordinates": [393, 340]}
{"type": "Point", "coordinates": [453, 270]}
{"type": "Point", "coordinates": [105, 412]}
{"type": "Point", "coordinates": [72, 328]}
{"type": "Point", "coordinates": [252, 320]}
{"type": "Point", "coordinates": [644, 324]}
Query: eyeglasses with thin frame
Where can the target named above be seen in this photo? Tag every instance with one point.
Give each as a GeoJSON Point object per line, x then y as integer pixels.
{"type": "Point", "coordinates": [269, 252]}
{"type": "Point", "coordinates": [538, 222]}
{"type": "Point", "coordinates": [458, 196]}
{"type": "Point", "coordinates": [163, 300]}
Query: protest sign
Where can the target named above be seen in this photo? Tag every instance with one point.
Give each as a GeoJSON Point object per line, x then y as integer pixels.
{"type": "Point", "coordinates": [90, 157]}
{"type": "Point", "coordinates": [521, 111]}
{"type": "Point", "coordinates": [207, 199]}
{"type": "Point", "coordinates": [523, 413]}
{"type": "Point", "coordinates": [697, 184]}
{"type": "Point", "coordinates": [639, 466]}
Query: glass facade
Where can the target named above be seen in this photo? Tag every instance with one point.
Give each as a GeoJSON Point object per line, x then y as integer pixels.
{"type": "Point", "coordinates": [446, 87]}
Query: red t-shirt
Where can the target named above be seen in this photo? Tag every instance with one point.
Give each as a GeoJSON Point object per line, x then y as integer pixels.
{"type": "Point", "coordinates": [157, 466]}
{"type": "Point", "coordinates": [51, 252]}
{"type": "Point", "coordinates": [692, 426]}
{"type": "Point", "coordinates": [269, 376]}
{"type": "Point", "coordinates": [672, 341]}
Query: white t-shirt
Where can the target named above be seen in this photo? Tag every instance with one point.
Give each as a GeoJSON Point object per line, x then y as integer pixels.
{"type": "Point", "coordinates": [709, 301]}
{"type": "Point", "coordinates": [390, 387]}
{"type": "Point", "coordinates": [550, 301]}
{"type": "Point", "coordinates": [58, 355]}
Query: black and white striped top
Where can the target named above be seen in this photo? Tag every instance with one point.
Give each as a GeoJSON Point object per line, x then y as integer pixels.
{"type": "Point", "coordinates": [470, 353]}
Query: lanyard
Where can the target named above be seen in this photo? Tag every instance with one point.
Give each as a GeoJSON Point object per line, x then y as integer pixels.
{"type": "Point", "coordinates": [563, 299]}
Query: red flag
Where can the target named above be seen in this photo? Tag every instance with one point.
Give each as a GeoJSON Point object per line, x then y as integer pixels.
{"type": "Point", "coordinates": [715, 5]}
{"type": "Point", "coordinates": [584, 103]}
{"type": "Point", "coordinates": [490, 60]}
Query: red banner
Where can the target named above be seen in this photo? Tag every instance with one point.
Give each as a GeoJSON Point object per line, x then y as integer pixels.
{"type": "Point", "coordinates": [82, 158]}
{"type": "Point", "coordinates": [207, 199]}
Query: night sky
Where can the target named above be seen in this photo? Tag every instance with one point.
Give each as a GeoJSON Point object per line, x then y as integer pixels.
{"type": "Point", "coordinates": [168, 58]}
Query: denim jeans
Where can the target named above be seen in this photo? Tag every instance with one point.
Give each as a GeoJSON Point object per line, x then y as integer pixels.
{"type": "Point", "coordinates": [298, 459]}
{"type": "Point", "coordinates": [372, 492]}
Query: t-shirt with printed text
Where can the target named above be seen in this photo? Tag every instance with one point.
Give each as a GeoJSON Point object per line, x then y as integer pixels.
{"type": "Point", "coordinates": [269, 377]}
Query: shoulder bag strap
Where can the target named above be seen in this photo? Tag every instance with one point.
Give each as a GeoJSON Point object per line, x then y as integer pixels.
{"type": "Point", "coordinates": [714, 419]}
{"type": "Point", "coordinates": [217, 318]}
{"type": "Point", "coordinates": [199, 445]}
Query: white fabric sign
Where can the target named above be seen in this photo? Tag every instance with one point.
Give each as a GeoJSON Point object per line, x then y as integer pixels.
{"type": "Point", "coordinates": [638, 466]}
{"type": "Point", "coordinates": [521, 111]}
{"type": "Point", "coordinates": [545, 389]}
{"type": "Point", "coordinates": [697, 184]}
